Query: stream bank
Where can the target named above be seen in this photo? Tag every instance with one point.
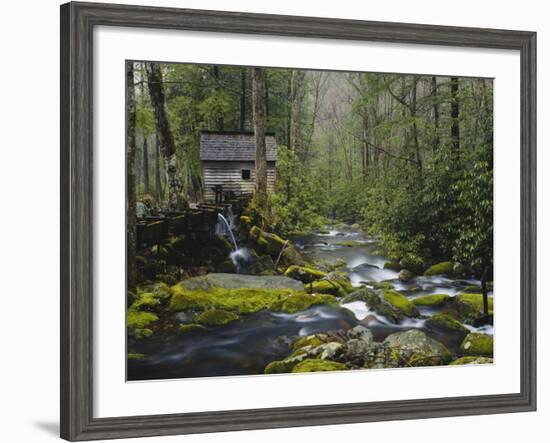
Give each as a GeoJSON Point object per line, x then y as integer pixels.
{"type": "Point", "coordinates": [339, 307]}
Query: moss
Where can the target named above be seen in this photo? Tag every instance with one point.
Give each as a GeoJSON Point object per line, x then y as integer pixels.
{"type": "Point", "coordinates": [471, 360]}
{"type": "Point", "coordinates": [328, 287]}
{"type": "Point", "coordinates": [447, 323]}
{"type": "Point", "coordinates": [245, 300]}
{"type": "Point", "coordinates": [191, 328]}
{"type": "Point", "coordinates": [139, 319]}
{"type": "Point", "coordinates": [316, 365]}
{"type": "Point", "coordinates": [146, 302]}
{"type": "Point", "coordinates": [245, 219]}
{"type": "Point", "coordinates": [405, 275]}
{"type": "Point", "coordinates": [280, 366]}
{"type": "Point", "coordinates": [393, 265]}
{"type": "Point", "coordinates": [300, 301]}
{"type": "Point", "coordinates": [309, 340]}
{"type": "Point", "coordinates": [401, 302]}
{"type": "Point", "coordinates": [472, 289]}
{"type": "Point", "coordinates": [477, 344]}
{"type": "Point", "coordinates": [470, 306]}
{"type": "Point", "coordinates": [140, 333]}
{"type": "Point", "coordinates": [431, 300]}
{"type": "Point", "coordinates": [216, 317]}
{"type": "Point", "coordinates": [135, 356]}
{"type": "Point", "coordinates": [385, 284]}
{"type": "Point", "coordinates": [443, 268]}
{"type": "Point", "coordinates": [304, 274]}
{"type": "Point", "coordinates": [270, 243]}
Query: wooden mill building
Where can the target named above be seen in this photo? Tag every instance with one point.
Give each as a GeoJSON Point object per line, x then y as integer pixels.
{"type": "Point", "coordinates": [228, 161]}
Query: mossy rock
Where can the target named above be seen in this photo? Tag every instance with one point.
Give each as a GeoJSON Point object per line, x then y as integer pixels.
{"type": "Point", "coordinates": [328, 287]}
{"type": "Point", "coordinates": [304, 274]}
{"type": "Point", "coordinates": [366, 295]}
{"type": "Point", "coordinates": [415, 348]}
{"type": "Point", "coordinates": [270, 243]}
{"type": "Point", "coordinates": [400, 302]}
{"type": "Point", "coordinates": [443, 268]}
{"type": "Point", "coordinates": [140, 323]}
{"type": "Point", "coordinates": [470, 306]}
{"type": "Point", "coordinates": [477, 344]}
{"type": "Point", "coordinates": [393, 265]}
{"type": "Point", "coordinates": [471, 360]}
{"type": "Point", "coordinates": [216, 317]}
{"type": "Point", "coordinates": [280, 367]}
{"type": "Point", "coordinates": [317, 365]}
{"type": "Point", "coordinates": [375, 302]}
{"type": "Point", "coordinates": [445, 322]}
{"type": "Point", "coordinates": [384, 284]}
{"type": "Point", "coordinates": [192, 327]}
{"type": "Point", "coordinates": [432, 300]}
{"type": "Point", "coordinates": [308, 340]}
{"type": "Point", "coordinates": [135, 356]}
{"type": "Point", "coordinates": [245, 300]}
{"type": "Point", "coordinates": [405, 275]}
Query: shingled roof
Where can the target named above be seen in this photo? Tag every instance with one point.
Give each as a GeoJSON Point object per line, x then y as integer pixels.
{"type": "Point", "coordinates": [234, 146]}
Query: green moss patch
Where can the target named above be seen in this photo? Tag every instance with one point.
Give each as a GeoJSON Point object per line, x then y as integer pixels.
{"type": "Point", "coordinates": [446, 323]}
{"type": "Point", "coordinates": [310, 340]}
{"type": "Point", "coordinates": [471, 360]}
{"type": "Point", "coordinates": [443, 268]}
{"type": "Point", "coordinates": [316, 365]}
{"type": "Point", "coordinates": [140, 323]}
{"type": "Point", "coordinates": [477, 344]}
{"type": "Point", "coordinates": [245, 300]}
{"type": "Point", "coordinates": [401, 302]}
{"type": "Point", "coordinates": [216, 317]}
{"type": "Point", "coordinates": [135, 356]}
{"type": "Point", "coordinates": [193, 327]}
{"type": "Point", "coordinates": [304, 274]}
{"type": "Point", "coordinates": [431, 300]}
{"type": "Point", "coordinates": [328, 287]}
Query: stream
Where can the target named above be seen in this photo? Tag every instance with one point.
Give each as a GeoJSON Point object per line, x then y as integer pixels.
{"type": "Point", "coordinates": [247, 346]}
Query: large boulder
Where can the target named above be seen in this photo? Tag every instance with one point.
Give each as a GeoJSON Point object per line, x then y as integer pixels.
{"type": "Point", "coordinates": [356, 351]}
{"type": "Point", "coordinates": [470, 306]}
{"type": "Point", "coordinates": [447, 324]}
{"type": "Point", "coordinates": [431, 300]}
{"type": "Point", "coordinates": [237, 281]}
{"type": "Point", "coordinates": [477, 344]}
{"type": "Point", "coordinates": [415, 348]}
{"type": "Point", "coordinates": [443, 268]}
{"type": "Point", "coordinates": [405, 275]}
{"type": "Point", "coordinates": [362, 333]}
{"type": "Point", "coordinates": [401, 303]}
{"type": "Point", "coordinates": [374, 302]}
{"type": "Point", "coordinates": [304, 274]}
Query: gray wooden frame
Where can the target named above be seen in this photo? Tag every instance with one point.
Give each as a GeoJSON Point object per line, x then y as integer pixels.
{"type": "Point", "coordinates": [77, 24]}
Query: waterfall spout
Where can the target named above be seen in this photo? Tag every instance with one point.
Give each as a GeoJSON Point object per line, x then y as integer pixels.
{"type": "Point", "coordinates": [228, 226]}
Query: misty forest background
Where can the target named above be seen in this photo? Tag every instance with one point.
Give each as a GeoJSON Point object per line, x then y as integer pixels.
{"type": "Point", "coordinates": [408, 157]}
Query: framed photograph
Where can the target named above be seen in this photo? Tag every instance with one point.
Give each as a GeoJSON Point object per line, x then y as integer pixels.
{"type": "Point", "coordinates": [273, 221]}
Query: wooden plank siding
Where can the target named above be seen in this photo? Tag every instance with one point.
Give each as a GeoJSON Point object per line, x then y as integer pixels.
{"type": "Point", "coordinates": [228, 174]}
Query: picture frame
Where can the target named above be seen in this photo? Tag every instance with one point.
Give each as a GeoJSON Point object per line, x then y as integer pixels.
{"type": "Point", "coordinates": [77, 216]}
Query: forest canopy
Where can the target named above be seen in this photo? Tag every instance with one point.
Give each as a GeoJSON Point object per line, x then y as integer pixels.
{"type": "Point", "coordinates": [408, 157]}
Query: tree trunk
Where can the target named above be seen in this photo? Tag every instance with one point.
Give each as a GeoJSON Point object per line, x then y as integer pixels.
{"type": "Point", "coordinates": [145, 165]}
{"type": "Point", "coordinates": [131, 238]}
{"type": "Point", "coordinates": [455, 111]}
{"type": "Point", "coordinates": [365, 150]}
{"type": "Point", "coordinates": [176, 198]}
{"type": "Point", "coordinates": [258, 108]}
{"type": "Point", "coordinates": [435, 108]}
{"type": "Point", "coordinates": [158, 184]}
{"type": "Point", "coordinates": [484, 292]}
{"type": "Point", "coordinates": [243, 99]}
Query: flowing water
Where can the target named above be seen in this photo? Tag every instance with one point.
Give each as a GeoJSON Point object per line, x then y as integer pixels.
{"type": "Point", "coordinates": [247, 346]}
